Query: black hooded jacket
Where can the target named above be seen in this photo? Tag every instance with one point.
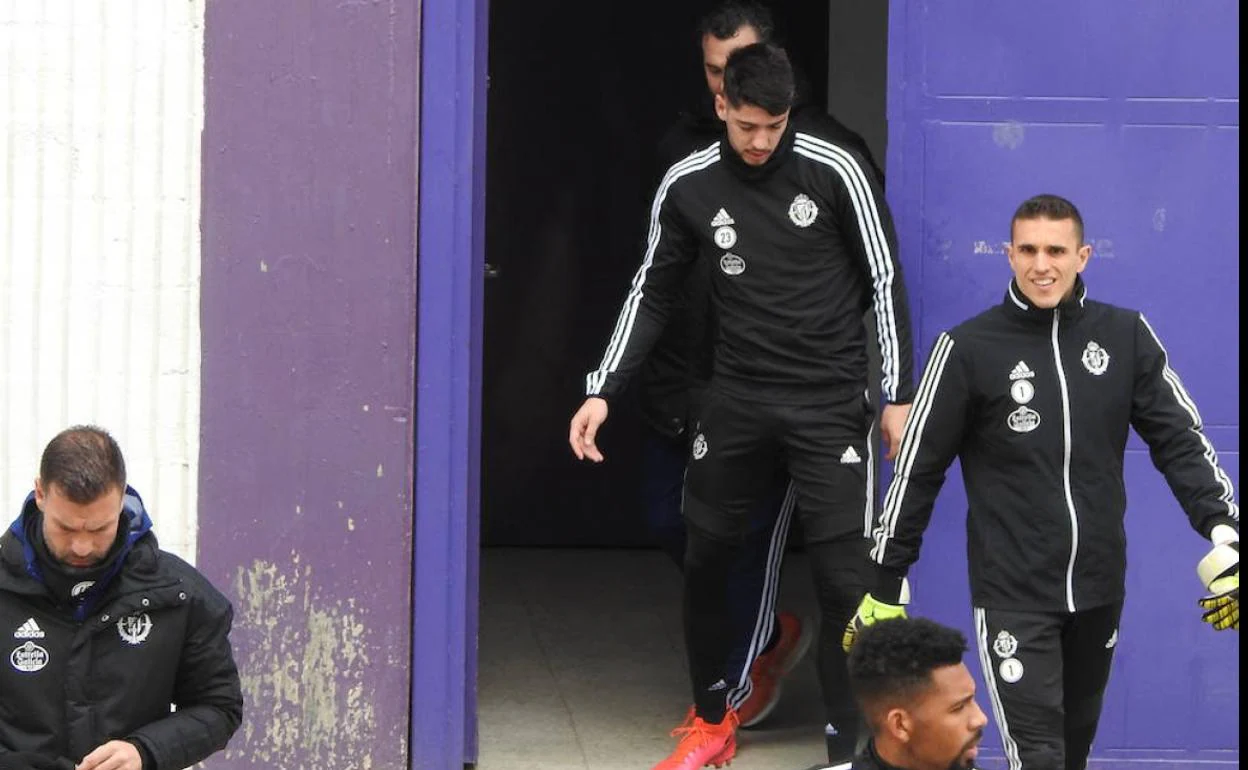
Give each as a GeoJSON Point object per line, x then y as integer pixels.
{"type": "Point", "coordinates": [674, 376]}
{"type": "Point", "coordinates": [152, 633]}
{"type": "Point", "coordinates": [799, 248]}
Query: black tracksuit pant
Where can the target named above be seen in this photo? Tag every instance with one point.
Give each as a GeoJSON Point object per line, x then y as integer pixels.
{"type": "Point", "coordinates": [1046, 674]}
{"type": "Point", "coordinates": [737, 446]}
{"type": "Point", "coordinates": [753, 580]}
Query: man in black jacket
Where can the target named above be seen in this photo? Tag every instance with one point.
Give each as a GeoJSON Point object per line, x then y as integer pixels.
{"type": "Point", "coordinates": [918, 697]}
{"type": "Point", "coordinates": [801, 244]}
{"type": "Point", "coordinates": [1036, 396]}
{"type": "Point", "coordinates": [108, 631]}
{"type": "Point", "coordinates": [673, 381]}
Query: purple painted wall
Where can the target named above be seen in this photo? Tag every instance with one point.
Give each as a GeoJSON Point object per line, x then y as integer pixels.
{"type": "Point", "coordinates": [1134, 116]}
{"type": "Point", "coordinates": [309, 293]}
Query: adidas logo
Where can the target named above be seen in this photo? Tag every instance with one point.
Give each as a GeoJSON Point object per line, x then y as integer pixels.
{"type": "Point", "coordinates": [720, 685]}
{"type": "Point", "coordinates": [850, 457]}
{"type": "Point", "coordinates": [722, 219]}
{"type": "Point", "coordinates": [29, 630]}
{"type": "Point", "coordinates": [1021, 372]}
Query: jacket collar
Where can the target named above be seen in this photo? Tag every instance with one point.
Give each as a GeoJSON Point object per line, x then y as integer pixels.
{"type": "Point", "coordinates": [872, 758]}
{"type": "Point", "coordinates": [743, 170]}
{"type": "Point", "coordinates": [1018, 306]}
{"type": "Point", "coordinates": [19, 559]}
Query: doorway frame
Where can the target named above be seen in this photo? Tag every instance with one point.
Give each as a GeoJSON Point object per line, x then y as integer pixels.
{"type": "Point", "coordinates": [449, 265]}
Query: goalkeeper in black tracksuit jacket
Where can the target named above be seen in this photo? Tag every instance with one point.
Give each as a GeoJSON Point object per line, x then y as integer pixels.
{"type": "Point", "coordinates": [801, 244]}
{"type": "Point", "coordinates": [1036, 396]}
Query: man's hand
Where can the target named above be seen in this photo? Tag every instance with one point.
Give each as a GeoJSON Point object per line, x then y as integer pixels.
{"type": "Point", "coordinates": [1219, 571]}
{"type": "Point", "coordinates": [114, 755]}
{"type": "Point", "coordinates": [869, 611]}
{"type": "Point", "coordinates": [892, 425]}
{"type": "Point", "coordinates": [584, 429]}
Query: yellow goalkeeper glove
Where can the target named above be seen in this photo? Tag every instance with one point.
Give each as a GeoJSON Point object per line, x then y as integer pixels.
{"type": "Point", "coordinates": [1219, 571]}
{"type": "Point", "coordinates": [870, 610]}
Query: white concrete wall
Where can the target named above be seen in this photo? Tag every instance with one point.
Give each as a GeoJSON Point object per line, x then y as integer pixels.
{"type": "Point", "coordinates": [101, 108]}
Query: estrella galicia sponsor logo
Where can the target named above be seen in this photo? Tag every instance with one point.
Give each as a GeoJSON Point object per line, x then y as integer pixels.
{"type": "Point", "coordinates": [29, 658]}
{"type": "Point", "coordinates": [731, 264]}
{"type": "Point", "coordinates": [1023, 420]}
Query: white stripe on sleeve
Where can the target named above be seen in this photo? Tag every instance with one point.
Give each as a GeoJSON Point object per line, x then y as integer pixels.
{"type": "Point", "coordinates": [911, 437]}
{"type": "Point", "coordinates": [1185, 400]}
{"type": "Point", "coordinates": [595, 380]}
{"type": "Point", "coordinates": [879, 255]}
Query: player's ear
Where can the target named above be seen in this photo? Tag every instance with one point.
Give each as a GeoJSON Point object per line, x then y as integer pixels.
{"type": "Point", "coordinates": [898, 724]}
{"type": "Point", "coordinates": [721, 107]}
{"type": "Point", "coordinates": [1085, 253]}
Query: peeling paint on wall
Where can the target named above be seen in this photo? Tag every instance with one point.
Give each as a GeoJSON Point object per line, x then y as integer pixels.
{"type": "Point", "coordinates": [303, 660]}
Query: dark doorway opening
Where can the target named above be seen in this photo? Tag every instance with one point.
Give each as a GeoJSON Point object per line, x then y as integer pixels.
{"type": "Point", "coordinates": [579, 96]}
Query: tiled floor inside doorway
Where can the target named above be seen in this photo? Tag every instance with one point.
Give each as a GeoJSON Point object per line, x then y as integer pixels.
{"type": "Point", "coordinates": [582, 665]}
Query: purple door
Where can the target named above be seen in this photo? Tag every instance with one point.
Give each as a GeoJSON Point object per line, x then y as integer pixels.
{"type": "Point", "coordinates": [450, 258]}
{"type": "Point", "coordinates": [1132, 112]}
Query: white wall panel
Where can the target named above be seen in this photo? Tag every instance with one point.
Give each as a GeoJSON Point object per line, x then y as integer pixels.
{"type": "Point", "coordinates": [101, 108]}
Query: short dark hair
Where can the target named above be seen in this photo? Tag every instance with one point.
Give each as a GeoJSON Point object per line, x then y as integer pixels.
{"type": "Point", "coordinates": [892, 660]}
{"type": "Point", "coordinates": [84, 462]}
{"type": "Point", "coordinates": [1046, 206]}
{"type": "Point", "coordinates": [726, 19]}
{"type": "Point", "coordinates": [760, 75]}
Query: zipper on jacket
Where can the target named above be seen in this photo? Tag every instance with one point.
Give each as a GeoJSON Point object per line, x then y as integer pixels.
{"type": "Point", "coordinates": [1070, 499]}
